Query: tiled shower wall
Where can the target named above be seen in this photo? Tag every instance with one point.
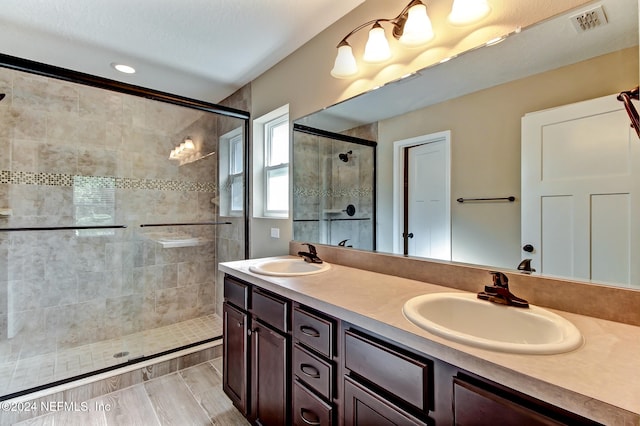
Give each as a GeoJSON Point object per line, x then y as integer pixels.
{"type": "Point", "coordinates": [73, 155]}
{"type": "Point", "coordinates": [324, 185]}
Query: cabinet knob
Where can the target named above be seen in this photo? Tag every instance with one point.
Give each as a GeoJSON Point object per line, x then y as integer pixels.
{"type": "Point", "coordinates": [250, 331]}
{"type": "Point", "coordinates": [315, 422]}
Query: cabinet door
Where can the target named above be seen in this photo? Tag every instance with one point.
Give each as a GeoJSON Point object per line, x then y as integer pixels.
{"type": "Point", "coordinates": [235, 356]}
{"type": "Point", "coordinates": [362, 407]}
{"type": "Point", "coordinates": [270, 376]}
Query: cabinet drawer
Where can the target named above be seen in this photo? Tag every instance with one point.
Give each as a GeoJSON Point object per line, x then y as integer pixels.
{"type": "Point", "coordinates": [393, 372]}
{"type": "Point", "coordinates": [271, 309]}
{"type": "Point", "coordinates": [475, 406]}
{"type": "Point", "coordinates": [236, 292]}
{"type": "Point", "coordinates": [315, 372]}
{"type": "Point", "coordinates": [313, 331]}
{"type": "Point", "coordinates": [308, 409]}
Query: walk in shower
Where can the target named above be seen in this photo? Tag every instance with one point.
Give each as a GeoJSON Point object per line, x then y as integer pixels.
{"type": "Point", "coordinates": [334, 187]}
{"type": "Point", "coordinates": [116, 204]}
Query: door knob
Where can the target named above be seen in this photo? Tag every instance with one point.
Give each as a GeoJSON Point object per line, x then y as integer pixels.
{"type": "Point", "coordinates": [409, 235]}
{"type": "Point", "coordinates": [528, 248]}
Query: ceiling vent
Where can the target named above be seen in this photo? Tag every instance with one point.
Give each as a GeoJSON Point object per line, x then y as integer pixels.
{"type": "Point", "coordinates": [589, 19]}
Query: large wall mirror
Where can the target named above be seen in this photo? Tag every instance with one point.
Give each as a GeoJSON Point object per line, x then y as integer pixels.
{"type": "Point", "coordinates": [469, 112]}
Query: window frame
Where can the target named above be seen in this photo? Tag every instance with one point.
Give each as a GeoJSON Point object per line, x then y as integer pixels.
{"type": "Point", "coordinates": [269, 169]}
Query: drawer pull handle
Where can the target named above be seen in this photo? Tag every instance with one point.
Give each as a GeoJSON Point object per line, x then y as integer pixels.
{"type": "Point", "coordinates": [309, 331]}
{"type": "Point", "coordinates": [310, 371]}
{"type": "Point", "coordinates": [315, 422]}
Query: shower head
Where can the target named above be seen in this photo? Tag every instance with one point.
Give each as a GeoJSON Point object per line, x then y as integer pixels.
{"type": "Point", "coordinates": [345, 157]}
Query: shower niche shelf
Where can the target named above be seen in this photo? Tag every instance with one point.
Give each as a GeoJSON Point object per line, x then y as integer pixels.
{"type": "Point", "coordinates": [169, 240]}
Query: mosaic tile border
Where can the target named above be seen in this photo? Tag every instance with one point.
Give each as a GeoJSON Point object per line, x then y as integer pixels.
{"type": "Point", "coordinates": [67, 180]}
{"type": "Point", "coordinates": [332, 192]}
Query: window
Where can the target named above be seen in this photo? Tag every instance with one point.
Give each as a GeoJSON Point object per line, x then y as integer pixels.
{"type": "Point", "coordinates": [271, 164]}
{"type": "Point", "coordinates": [236, 167]}
{"type": "Point", "coordinates": [231, 170]}
{"type": "Point", "coordinates": [276, 167]}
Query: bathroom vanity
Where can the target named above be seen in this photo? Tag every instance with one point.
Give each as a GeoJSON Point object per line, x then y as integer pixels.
{"type": "Point", "coordinates": [335, 349]}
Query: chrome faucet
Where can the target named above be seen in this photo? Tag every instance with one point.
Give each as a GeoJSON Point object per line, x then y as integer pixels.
{"type": "Point", "coordinates": [311, 256]}
{"type": "Point", "coordinates": [499, 292]}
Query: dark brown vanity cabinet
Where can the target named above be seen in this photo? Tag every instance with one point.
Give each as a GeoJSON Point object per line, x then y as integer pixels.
{"type": "Point", "coordinates": [478, 402]}
{"type": "Point", "coordinates": [289, 364]}
{"type": "Point", "coordinates": [314, 368]}
{"type": "Point", "coordinates": [384, 385]}
{"type": "Point", "coordinates": [257, 352]}
{"type": "Point", "coordinates": [235, 347]}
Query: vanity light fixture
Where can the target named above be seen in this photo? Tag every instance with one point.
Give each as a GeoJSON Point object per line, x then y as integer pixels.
{"type": "Point", "coordinates": [412, 28]}
{"type": "Point", "coordinates": [126, 69]}
{"type": "Point", "coordinates": [186, 152]}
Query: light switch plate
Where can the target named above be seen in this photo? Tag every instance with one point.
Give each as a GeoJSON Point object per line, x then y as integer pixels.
{"type": "Point", "coordinates": [275, 232]}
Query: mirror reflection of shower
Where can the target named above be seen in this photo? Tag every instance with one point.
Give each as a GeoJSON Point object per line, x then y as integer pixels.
{"type": "Point", "coordinates": [334, 195]}
{"type": "Point", "coordinates": [345, 156]}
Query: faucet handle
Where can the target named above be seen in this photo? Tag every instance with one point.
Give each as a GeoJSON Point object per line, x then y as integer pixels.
{"type": "Point", "coordinates": [499, 279]}
{"type": "Point", "coordinates": [312, 248]}
{"type": "Point", "coordinates": [525, 266]}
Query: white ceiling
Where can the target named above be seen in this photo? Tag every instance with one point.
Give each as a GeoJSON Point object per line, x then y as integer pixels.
{"type": "Point", "coordinates": [204, 49]}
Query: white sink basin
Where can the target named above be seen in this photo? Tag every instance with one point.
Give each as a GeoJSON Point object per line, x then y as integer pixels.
{"type": "Point", "coordinates": [289, 267]}
{"type": "Point", "coordinates": [464, 318]}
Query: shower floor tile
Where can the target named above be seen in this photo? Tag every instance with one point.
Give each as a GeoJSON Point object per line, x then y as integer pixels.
{"type": "Point", "coordinates": [31, 371]}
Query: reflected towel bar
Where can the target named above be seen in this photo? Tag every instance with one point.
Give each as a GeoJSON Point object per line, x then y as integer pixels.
{"type": "Point", "coordinates": [625, 97]}
{"type": "Point", "coordinates": [62, 228]}
{"type": "Point", "coordinates": [511, 199]}
{"type": "Point", "coordinates": [147, 225]}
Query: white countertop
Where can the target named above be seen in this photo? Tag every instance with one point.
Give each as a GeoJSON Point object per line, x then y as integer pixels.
{"type": "Point", "coordinates": [600, 380]}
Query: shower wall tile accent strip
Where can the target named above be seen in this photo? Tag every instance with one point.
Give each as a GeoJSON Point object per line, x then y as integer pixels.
{"type": "Point", "coordinates": [332, 192]}
{"type": "Point", "coordinates": [67, 180]}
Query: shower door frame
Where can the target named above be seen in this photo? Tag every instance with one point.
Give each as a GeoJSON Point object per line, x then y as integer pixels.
{"type": "Point", "coordinates": [54, 72]}
{"type": "Point", "coordinates": [358, 141]}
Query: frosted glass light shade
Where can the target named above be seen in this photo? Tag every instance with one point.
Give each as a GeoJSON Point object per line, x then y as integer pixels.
{"type": "Point", "coordinates": [377, 47]}
{"type": "Point", "coordinates": [417, 29]}
{"type": "Point", "coordinates": [345, 65]}
{"type": "Point", "coordinates": [465, 12]}
{"type": "Point", "coordinates": [188, 144]}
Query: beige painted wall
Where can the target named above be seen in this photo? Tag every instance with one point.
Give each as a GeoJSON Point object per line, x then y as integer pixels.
{"type": "Point", "coordinates": [485, 150]}
{"type": "Point", "coordinates": [302, 80]}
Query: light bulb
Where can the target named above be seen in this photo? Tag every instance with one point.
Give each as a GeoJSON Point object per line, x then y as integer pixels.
{"type": "Point", "coordinates": [345, 65]}
{"type": "Point", "coordinates": [464, 12]}
{"type": "Point", "coordinates": [377, 47]}
{"type": "Point", "coordinates": [188, 144]}
{"type": "Point", "coordinates": [417, 29]}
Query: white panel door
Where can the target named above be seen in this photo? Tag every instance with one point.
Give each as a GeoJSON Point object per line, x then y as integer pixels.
{"type": "Point", "coordinates": [428, 198]}
{"type": "Point", "coordinates": [580, 190]}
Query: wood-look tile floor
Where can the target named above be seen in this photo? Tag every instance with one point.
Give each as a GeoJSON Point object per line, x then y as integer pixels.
{"type": "Point", "coordinates": [190, 397]}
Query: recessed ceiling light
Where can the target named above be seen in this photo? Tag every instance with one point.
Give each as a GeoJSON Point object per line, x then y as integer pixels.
{"type": "Point", "coordinates": [123, 68]}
